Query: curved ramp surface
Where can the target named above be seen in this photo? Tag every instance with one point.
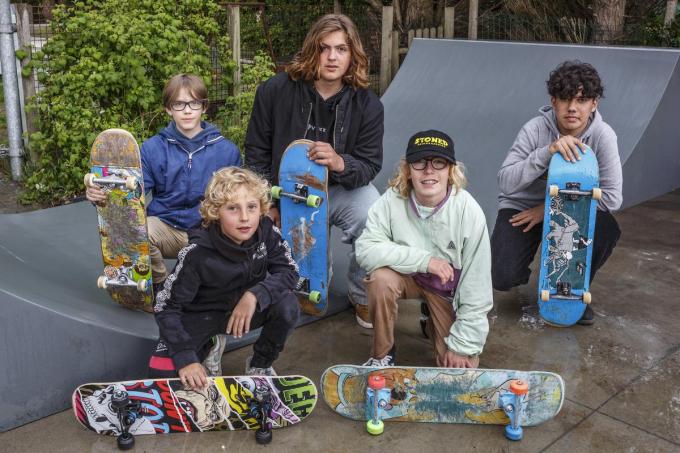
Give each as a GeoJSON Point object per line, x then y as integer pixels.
{"type": "Point", "coordinates": [57, 329]}
{"type": "Point", "coordinates": [481, 93]}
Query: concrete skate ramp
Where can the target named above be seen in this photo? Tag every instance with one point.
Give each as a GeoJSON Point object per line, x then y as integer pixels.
{"type": "Point", "coordinates": [57, 329]}
{"type": "Point", "coordinates": [481, 93]}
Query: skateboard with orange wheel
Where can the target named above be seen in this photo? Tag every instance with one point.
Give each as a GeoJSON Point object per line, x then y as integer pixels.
{"type": "Point", "coordinates": [116, 167]}
{"type": "Point", "coordinates": [443, 395]}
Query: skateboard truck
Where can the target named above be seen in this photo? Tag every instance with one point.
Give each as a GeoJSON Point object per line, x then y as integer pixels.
{"type": "Point", "coordinates": [301, 195]}
{"type": "Point", "coordinates": [121, 277]}
{"type": "Point", "coordinates": [126, 411]}
{"type": "Point", "coordinates": [512, 403]}
{"type": "Point", "coordinates": [111, 182]}
{"type": "Point", "coordinates": [303, 289]}
{"type": "Point", "coordinates": [261, 409]}
{"type": "Point", "coordinates": [376, 397]}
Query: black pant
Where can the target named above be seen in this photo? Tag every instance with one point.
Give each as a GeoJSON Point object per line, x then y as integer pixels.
{"type": "Point", "coordinates": [277, 322]}
{"type": "Point", "coordinates": [512, 250]}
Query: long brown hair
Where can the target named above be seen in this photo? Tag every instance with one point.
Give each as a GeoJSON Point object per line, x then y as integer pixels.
{"type": "Point", "coordinates": [305, 64]}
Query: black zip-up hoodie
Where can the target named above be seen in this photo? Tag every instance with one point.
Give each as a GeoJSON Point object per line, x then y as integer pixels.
{"type": "Point", "coordinates": [213, 272]}
{"type": "Point", "coordinates": [282, 112]}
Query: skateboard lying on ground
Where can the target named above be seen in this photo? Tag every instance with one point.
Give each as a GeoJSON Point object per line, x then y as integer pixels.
{"type": "Point", "coordinates": [303, 195]}
{"type": "Point", "coordinates": [568, 228]}
{"type": "Point", "coordinates": [116, 167]}
{"type": "Point", "coordinates": [443, 395]}
{"type": "Point", "coordinates": [164, 406]}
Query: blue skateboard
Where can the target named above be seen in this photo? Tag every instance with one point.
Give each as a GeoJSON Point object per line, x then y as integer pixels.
{"type": "Point", "coordinates": [568, 227]}
{"type": "Point", "coordinates": [303, 195]}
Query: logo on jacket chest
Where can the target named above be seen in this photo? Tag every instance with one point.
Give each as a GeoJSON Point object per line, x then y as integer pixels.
{"type": "Point", "coordinates": [260, 252]}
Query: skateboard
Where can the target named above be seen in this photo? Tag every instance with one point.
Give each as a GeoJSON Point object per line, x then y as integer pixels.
{"type": "Point", "coordinates": [443, 395]}
{"type": "Point", "coordinates": [568, 227]}
{"type": "Point", "coordinates": [165, 406]}
{"type": "Point", "coordinates": [303, 196]}
{"type": "Point", "coordinates": [116, 166]}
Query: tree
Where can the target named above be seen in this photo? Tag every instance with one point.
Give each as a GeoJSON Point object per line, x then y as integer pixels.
{"type": "Point", "coordinates": [671, 8]}
{"type": "Point", "coordinates": [609, 19]}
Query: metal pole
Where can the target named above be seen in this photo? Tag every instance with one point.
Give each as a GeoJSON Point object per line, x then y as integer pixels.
{"type": "Point", "coordinates": [10, 87]}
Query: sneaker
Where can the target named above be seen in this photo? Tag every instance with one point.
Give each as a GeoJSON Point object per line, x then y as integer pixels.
{"type": "Point", "coordinates": [256, 371]}
{"type": "Point", "coordinates": [388, 360]}
{"type": "Point", "coordinates": [588, 317]}
{"type": "Point", "coordinates": [362, 314]}
{"type": "Point", "coordinates": [213, 363]}
{"type": "Point", "coordinates": [424, 316]}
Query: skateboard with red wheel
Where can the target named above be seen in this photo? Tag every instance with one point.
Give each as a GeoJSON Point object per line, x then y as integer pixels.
{"type": "Point", "coordinates": [443, 395]}
{"type": "Point", "coordinates": [116, 167]}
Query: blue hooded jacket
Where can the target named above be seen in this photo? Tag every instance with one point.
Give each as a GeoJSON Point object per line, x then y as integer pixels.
{"type": "Point", "coordinates": [177, 170]}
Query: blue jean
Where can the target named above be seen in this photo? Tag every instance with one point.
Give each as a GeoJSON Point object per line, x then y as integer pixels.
{"type": "Point", "coordinates": [348, 210]}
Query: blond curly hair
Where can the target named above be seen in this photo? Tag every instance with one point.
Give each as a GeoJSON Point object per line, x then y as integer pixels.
{"type": "Point", "coordinates": [222, 189]}
{"type": "Point", "coordinates": [402, 184]}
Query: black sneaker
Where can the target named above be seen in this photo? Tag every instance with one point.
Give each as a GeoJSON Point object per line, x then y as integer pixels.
{"type": "Point", "coordinates": [588, 317]}
{"type": "Point", "coordinates": [388, 360]}
{"type": "Point", "coordinates": [424, 316]}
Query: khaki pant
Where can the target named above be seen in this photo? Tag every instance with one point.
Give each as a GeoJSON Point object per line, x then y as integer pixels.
{"type": "Point", "coordinates": [383, 288]}
{"type": "Point", "coordinates": [164, 242]}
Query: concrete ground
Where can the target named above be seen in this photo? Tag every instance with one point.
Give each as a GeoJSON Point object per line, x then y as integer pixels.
{"type": "Point", "coordinates": [622, 374]}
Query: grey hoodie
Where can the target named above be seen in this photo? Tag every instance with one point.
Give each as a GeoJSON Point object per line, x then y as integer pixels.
{"type": "Point", "coordinates": [522, 177]}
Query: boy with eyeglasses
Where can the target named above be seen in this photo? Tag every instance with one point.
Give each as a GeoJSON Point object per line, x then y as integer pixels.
{"type": "Point", "coordinates": [177, 164]}
{"type": "Point", "coordinates": [426, 237]}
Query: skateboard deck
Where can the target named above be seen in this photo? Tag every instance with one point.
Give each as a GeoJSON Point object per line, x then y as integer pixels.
{"type": "Point", "coordinates": [303, 195]}
{"type": "Point", "coordinates": [442, 395]}
{"type": "Point", "coordinates": [115, 166]}
{"type": "Point", "coordinates": [568, 228]}
{"type": "Point", "coordinates": [164, 406]}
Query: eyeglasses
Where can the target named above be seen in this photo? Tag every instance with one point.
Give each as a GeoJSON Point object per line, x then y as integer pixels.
{"type": "Point", "coordinates": [194, 104]}
{"type": "Point", "coordinates": [437, 163]}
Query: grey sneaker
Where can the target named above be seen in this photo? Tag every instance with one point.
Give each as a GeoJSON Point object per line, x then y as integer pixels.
{"type": "Point", "coordinates": [255, 371]}
{"type": "Point", "coordinates": [213, 363]}
{"type": "Point", "coordinates": [388, 360]}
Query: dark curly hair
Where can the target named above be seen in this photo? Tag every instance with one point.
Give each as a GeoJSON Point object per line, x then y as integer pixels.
{"type": "Point", "coordinates": [571, 76]}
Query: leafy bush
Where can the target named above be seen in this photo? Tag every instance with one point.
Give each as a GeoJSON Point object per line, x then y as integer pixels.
{"type": "Point", "coordinates": [658, 34]}
{"type": "Point", "coordinates": [233, 118]}
{"type": "Point", "coordinates": [105, 66]}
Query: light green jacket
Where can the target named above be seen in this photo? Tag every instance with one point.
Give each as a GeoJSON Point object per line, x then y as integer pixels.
{"type": "Point", "coordinates": [396, 237]}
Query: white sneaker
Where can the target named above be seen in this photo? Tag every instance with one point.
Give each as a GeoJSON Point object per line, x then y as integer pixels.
{"type": "Point", "coordinates": [255, 371]}
{"type": "Point", "coordinates": [213, 362]}
{"type": "Point", "coordinates": [388, 360]}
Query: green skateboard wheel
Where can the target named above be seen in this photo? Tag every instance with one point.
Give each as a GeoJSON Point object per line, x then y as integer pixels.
{"type": "Point", "coordinates": [313, 201]}
{"type": "Point", "coordinates": [276, 192]}
{"type": "Point", "coordinates": [375, 428]}
{"type": "Point", "coordinates": [315, 296]}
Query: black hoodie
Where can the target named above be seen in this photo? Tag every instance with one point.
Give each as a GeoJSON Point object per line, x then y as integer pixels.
{"type": "Point", "coordinates": [213, 272]}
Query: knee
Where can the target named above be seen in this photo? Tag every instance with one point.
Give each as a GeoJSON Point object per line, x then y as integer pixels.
{"type": "Point", "coordinates": [503, 279]}
{"type": "Point", "coordinates": [382, 281]}
{"type": "Point", "coordinates": [153, 228]}
{"type": "Point", "coordinates": [287, 309]}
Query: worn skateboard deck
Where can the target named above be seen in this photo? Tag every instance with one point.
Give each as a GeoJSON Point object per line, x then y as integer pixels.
{"type": "Point", "coordinates": [115, 166]}
{"type": "Point", "coordinates": [442, 395]}
{"type": "Point", "coordinates": [166, 407]}
{"type": "Point", "coordinates": [568, 229]}
{"type": "Point", "coordinates": [304, 224]}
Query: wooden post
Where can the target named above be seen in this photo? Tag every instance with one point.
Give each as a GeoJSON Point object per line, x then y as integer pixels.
{"type": "Point", "coordinates": [411, 35]}
{"type": "Point", "coordinates": [395, 53]}
{"type": "Point", "coordinates": [235, 37]}
{"type": "Point", "coordinates": [449, 16]}
{"type": "Point", "coordinates": [419, 33]}
{"type": "Point", "coordinates": [386, 48]}
{"type": "Point", "coordinates": [472, 22]}
{"type": "Point", "coordinates": [434, 32]}
{"type": "Point", "coordinates": [337, 9]}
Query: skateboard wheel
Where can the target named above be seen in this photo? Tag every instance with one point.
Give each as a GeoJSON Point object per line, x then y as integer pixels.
{"type": "Point", "coordinates": [314, 201]}
{"type": "Point", "coordinates": [554, 190]}
{"type": "Point", "coordinates": [597, 193]}
{"type": "Point", "coordinates": [101, 282]}
{"type": "Point", "coordinates": [130, 183]}
{"type": "Point", "coordinates": [376, 382]}
{"type": "Point", "coordinates": [89, 179]}
{"type": "Point", "coordinates": [142, 285]}
{"type": "Point", "coordinates": [125, 441]}
{"type": "Point", "coordinates": [519, 387]}
{"type": "Point", "coordinates": [263, 437]}
{"type": "Point", "coordinates": [315, 297]}
{"type": "Point", "coordinates": [276, 192]}
{"type": "Point", "coordinates": [545, 295]}
{"type": "Point", "coordinates": [375, 428]}
{"type": "Point", "coordinates": [587, 298]}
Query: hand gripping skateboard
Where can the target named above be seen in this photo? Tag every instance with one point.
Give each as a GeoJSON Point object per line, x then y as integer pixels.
{"type": "Point", "coordinates": [116, 167]}
{"type": "Point", "coordinates": [302, 192]}
{"type": "Point", "coordinates": [568, 229]}
{"type": "Point", "coordinates": [165, 406]}
{"type": "Point", "coordinates": [443, 395]}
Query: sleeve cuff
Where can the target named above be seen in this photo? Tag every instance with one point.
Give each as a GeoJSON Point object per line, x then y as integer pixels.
{"type": "Point", "coordinates": [184, 358]}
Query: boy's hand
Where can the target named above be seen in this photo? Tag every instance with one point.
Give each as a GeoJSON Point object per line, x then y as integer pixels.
{"type": "Point", "coordinates": [275, 215]}
{"type": "Point", "coordinates": [323, 154]}
{"type": "Point", "coordinates": [532, 217]}
{"type": "Point", "coordinates": [193, 376]}
{"type": "Point", "coordinates": [441, 268]}
{"type": "Point", "coordinates": [570, 148]}
{"type": "Point", "coordinates": [239, 321]}
{"type": "Point", "coordinates": [95, 194]}
{"type": "Point", "coordinates": [452, 359]}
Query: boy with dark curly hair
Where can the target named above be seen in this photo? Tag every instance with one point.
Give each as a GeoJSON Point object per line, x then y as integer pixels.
{"type": "Point", "coordinates": [571, 121]}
